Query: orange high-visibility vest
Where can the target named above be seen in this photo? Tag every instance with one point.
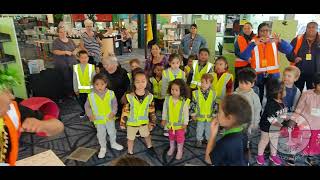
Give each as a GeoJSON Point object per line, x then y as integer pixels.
{"type": "Point", "coordinates": [243, 44]}
{"type": "Point", "coordinates": [265, 58]}
{"type": "Point", "coordinates": [12, 121]}
{"type": "Point", "coordinates": [297, 47]}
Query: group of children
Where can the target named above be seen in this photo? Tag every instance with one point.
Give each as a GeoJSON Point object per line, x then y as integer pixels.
{"type": "Point", "coordinates": [202, 92]}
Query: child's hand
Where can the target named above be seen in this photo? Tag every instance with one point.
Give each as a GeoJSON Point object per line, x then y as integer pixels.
{"type": "Point", "coordinates": [214, 128]}
{"type": "Point", "coordinates": [111, 115]}
{"type": "Point", "coordinates": [92, 118]}
{"type": "Point", "coordinates": [150, 126]}
{"type": "Point", "coordinates": [31, 125]}
{"type": "Point", "coordinates": [163, 123]}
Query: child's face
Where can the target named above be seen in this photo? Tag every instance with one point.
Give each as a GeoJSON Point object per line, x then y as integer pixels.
{"type": "Point", "coordinates": [100, 85]}
{"type": "Point", "coordinates": [5, 100]}
{"type": "Point", "coordinates": [134, 65]}
{"type": "Point", "coordinates": [175, 91]}
{"type": "Point", "coordinates": [175, 63]}
{"type": "Point", "coordinates": [220, 66]}
{"type": "Point", "coordinates": [190, 62]}
{"type": "Point", "coordinates": [205, 84]}
{"type": "Point", "coordinates": [289, 78]}
{"type": "Point", "coordinates": [84, 58]}
{"type": "Point", "coordinates": [140, 82]}
{"type": "Point", "coordinates": [97, 70]}
{"type": "Point", "coordinates": [158, 71]}
{"type": "Point", "coordinates": [245, 86]}
{"type": "Point", "coordinates": [203, 56]}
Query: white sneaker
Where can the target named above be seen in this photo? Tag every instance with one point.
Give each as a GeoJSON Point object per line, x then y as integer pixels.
{"type": "Point", "coordinates": [117, 146]}
{"type": "Point", "coordinates": [102, 153]}
{"type": "Point", "coordinates": [166, 133]}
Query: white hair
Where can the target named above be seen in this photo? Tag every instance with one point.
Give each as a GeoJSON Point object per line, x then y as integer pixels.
{"type": "Point", "coordinates": [111, 59]}
{"type": "Point", "coordinates": [88, 22]}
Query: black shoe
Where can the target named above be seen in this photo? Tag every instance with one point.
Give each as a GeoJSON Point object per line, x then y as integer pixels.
{"type": "Point", "coordinates": [129, 154]}
{"type": "Point", "coordinates": [82, 115]}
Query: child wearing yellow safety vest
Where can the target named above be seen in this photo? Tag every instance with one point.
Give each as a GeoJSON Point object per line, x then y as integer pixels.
{"type": "Point", "coordinates": [199, 67]}
{"type": "Point", "coordinates": [138, 114]}
{"type": "Point", "coordinates": [188, 67]}
{"type": "Point", "coordinates": [203, 107]}
{"type": "Point", "coordinates": [172, 73]}
{"type": "Point", "coordinates": [134, 63]}
{"type": "Point", "coordinates": [222, 79]}
{"type": "Point", "coordinates": [82, 76]}
{"type": "Point", "coordinates": [156, 82]}
{"type": "Point", "coordinates": [175, 114]}
{"type": "Point", "coordinates": [101, 108]}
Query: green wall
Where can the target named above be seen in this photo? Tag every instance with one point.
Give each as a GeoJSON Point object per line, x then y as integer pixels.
{"type": "Point", "coordinates": [7, 26]}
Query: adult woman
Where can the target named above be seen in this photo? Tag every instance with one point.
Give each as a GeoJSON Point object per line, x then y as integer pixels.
{"type": "Point", "coordinates": [155, 58]}
{"type": "Point", "coordinates": [91, 43]}
{"type": "Point", "coordinates": [263, 55]}
{"type": "Point", "coordinates": [118, 80]}
{"type": "Point", "coordinates": [126, 39]}
{"type": "Point", "coordinates": [64, 57]}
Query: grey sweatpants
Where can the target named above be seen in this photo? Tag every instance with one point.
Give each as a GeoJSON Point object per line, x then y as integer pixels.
{"type": "Point", "coordinates": [203, 127]}
{"type": "Point", "coordinates": [102, 130]}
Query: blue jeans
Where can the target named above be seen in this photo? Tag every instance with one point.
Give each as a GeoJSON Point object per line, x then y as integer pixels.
{"type": "Point", "coordinates": [203, 127]}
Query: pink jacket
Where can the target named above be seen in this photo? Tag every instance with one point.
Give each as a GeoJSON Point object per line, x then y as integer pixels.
{"type": "Point", "coordinates": [308, 109]}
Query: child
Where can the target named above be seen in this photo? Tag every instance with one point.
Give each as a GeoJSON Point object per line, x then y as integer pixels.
{"type": "Point", "coordinates": [203, 107]}
{"type": "Point", "coordinates": [134, 63]}
{"type": "Point", "coordinates": [222, 79]}
{"type": "Point", "coordinates": [175, 114]}
{"type": "Point", "coordinates": [156, 82]}
{"type": "Point", "coordinates": [246, 78]}
{"type": "Point", "coordinates": [172, 73]}
{"type": "Point", "coordinates": [138, 113]}
{"type": "Point", "coordinates": [290, 75]}
{"type": "Point", "coordinates": [199, 67]}
{"type": "Point", "coordinates": [101, 108]}
{"type": "Point", "coordinates": [99, 67]}
{"type": "Point", "coordinates": [82, 76]}
{"type": "Point", "coordinates": [307, 116]}
{"type": "Point", "coordinates": [188, 67]}
{"type": "Point", "coordinates": [272, 115]}
{"type": "Point", "coordinates": [231, 149]}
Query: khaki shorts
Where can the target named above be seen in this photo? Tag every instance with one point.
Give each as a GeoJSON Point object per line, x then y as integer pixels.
{"type": "Point", "coordinates": [132, 131]}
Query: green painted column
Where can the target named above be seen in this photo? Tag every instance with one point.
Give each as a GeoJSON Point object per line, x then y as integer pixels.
{"type": "Point", "coordinates": [11, 48]}
{"type": "Point", "coordinates": [141, 39]}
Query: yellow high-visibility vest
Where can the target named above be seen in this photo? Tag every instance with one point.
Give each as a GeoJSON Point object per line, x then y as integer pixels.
{"type": "Point", "coordinates": [196, 78]}
{"type": "Point", "coordinates": [156, 88]}
{"type": "Point", "coordinates": [219, 86]}
{"type": "Point", "coordinates": [204, 110]}
{"type": "Point", "coordinates": [139, 112]}
{"type": "Point", "coordinates": [101, 108]}
{"type": "Point", "coordinates": [175, 113]}
{"type": "Point", "coordinates": [168, 73]}
{"type": "Point", "coordinates": [84, 78]}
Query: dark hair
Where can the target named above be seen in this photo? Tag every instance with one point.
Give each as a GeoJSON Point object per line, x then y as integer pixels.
{"type": "Point", "coordinates": [136, 72]}
{"type": "Point", "coordinates": [174, 56]}
{"type": "Point", "coordinates": [135, 60]}
{"type": "Point", "coordinates": [248, 24]}
{"type": "Point", "coordinates": [194, 25]}
{"type": "Point", "coordinates": [207, 76]}
{"type": "Point", "coordinates": [315, 23]}
{"type": "Point", "coordinates": [100, 76]}
{"type": "Point", "coordinates": [82, 52]}
{"type": "Point", "coordinates": [192, 57]}
{"type": "Point", "coordinates": [238, 107]}
{"type": "Point", "coordinates": [129, 161]}
{"type": "Point", "coordinates": [274, 87]}
{"type": "Point", "coordinates": [222, 58]}
{"type": "Point", "coordinates": [262, 25]}
{"type": "Point", "coordinates": [247, 75]}
{"type": "Point", "coordinates": [100, 65]}
{"type": "Point", "coordinates": [316, 79]}
{"type": "Point", "coordinates": [184, 89]}
{"type": "Point", "coordinates": [154, 67]}
{"type": "Point", "coordinates": [205, 50]}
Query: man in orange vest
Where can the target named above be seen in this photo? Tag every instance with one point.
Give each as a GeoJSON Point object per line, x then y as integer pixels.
{"type": "Point", "coordinates": [306, 55]}
{"type": "Point", "coordinates": [243, 40]}
{"type": "Point", "coordinates": [14, 119]}
{"type": "Point", "coordinates": [262, 53]}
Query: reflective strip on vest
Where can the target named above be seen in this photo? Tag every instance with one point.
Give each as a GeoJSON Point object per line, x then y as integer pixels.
{"type": "Point", "coordinates": [129, 76]}
{"type": "Point", "coordinates": [220, 85]}
{"type": "Point", "coordinates": [171, 111]}
{"type": "Point", "coordinates": [269, 68]}
{"type": "Point", "coordinates": [204, 105]}
{"type": "Point", "coordinates": [75, 68]}
{"type": "Point", "coordinates": [100, 119]}
{"type": "Point", "coordinates": [172, 77]}
{"type": "Point", "coordinates": [138, 115]}
{"type": "Point", "coordinates": [156, 88]}
{"type": "Point", "coordinates": [12, 113]}
{"type": "Point", "coordinates": [196, 77]}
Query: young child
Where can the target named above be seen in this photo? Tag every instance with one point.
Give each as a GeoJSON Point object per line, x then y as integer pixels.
{"type": "Point", "coordinates": [290, 75]}
{"type": "Point", "coordinates": [175, 114]}
{"type": "Point", "coordinates": [307, 117]}
{"type": "Point", "coordinates": [203, 107]}
{"type": "Point", "coordinates": [156, 82]}
{"type": "Point", "coordinates": [273, 115]}
{"type": "Point", "coordinates": [188, 67]}
{"type": "Point", "coordinates": [231, 149]}
{"type": "Point", "coordinates": [82, 77]}
{"type": "Point", "coordinates": [101, 108]}
{"type": "Point", "coordinates": [99, 67]}
{"type": "Point", "coordinates": [246, 78]}
{"type": "Point", "coordinates": [199, 67]}
{"type": "Point", "coordinates": [172, 73]}
{"type": "Point", "coordinates": [138, 114]}
{"type": "Point", "coordinates": [222, 79]}
{"type": "Point", "coordinates": [134, 63]}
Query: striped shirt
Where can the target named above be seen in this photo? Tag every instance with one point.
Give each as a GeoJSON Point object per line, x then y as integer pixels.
{"type": "Point", "coordinates": [91, 44]}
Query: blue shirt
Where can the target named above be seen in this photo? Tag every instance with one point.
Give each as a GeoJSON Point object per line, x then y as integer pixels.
{"type": "Point", "coordinates": [290, 95]}
{"type": "Point", "coordinates": [198, 43]}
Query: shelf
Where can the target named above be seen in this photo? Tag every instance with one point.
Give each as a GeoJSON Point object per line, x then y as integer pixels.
{"type": "Point", "coordinates": [7, 59]}
{"type": "Point", "coordinates": [4, 37]}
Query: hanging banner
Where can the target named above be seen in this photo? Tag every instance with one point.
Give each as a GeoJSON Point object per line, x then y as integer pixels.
{"type": "Point", "coordinates": [77, 17]}
{"type": "Point", "coordinates": [104, 17]}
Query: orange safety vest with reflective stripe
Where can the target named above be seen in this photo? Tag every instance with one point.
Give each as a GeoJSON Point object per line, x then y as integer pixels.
{"type": "Point", "coordinates": [243, 44]}
{"type": "Point", "coordinates": [12, 121]}
{"type": "Point", "coordinates": [265, 58]}
{"type": "Point", "coordinates": [297, 47]}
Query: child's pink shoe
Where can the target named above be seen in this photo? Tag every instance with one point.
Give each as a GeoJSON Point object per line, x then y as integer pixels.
{"type": "Point", "coordinates": [276, 160]}
{"type": "Point", "coordinates": [260, 159]}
